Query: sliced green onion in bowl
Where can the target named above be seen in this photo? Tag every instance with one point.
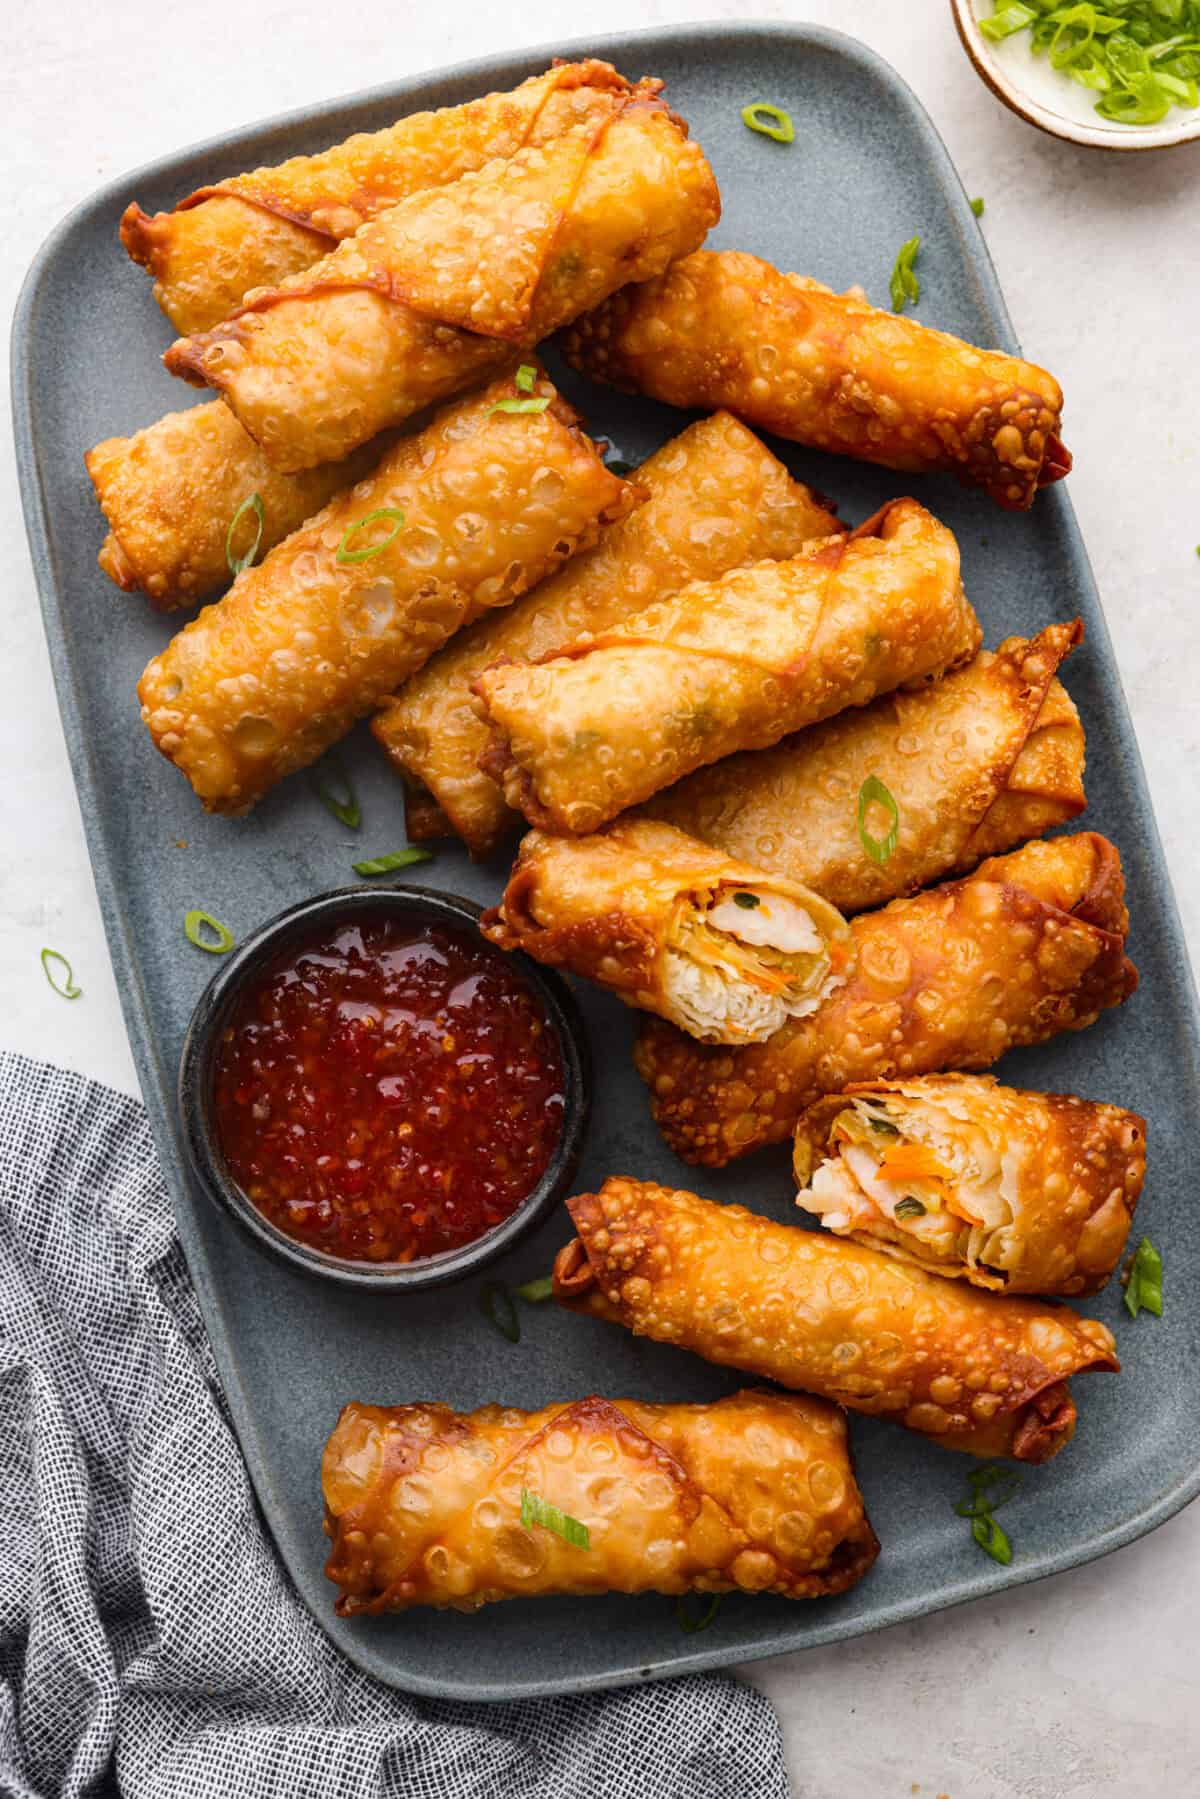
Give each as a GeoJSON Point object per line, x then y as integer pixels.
{"type": "Point", "coordinates": [346, 556]}
{"type": "Point", "coordinates": [769, 121]}
{"type": "Point", "coordinates": [386, 865]}
{"type": "Point", "coordinates": [68, 989]}
{"type": "Point", "coordinates": [252, 503]}
{"type": "Point", "coordinates": [536, 1510]}
{"type": "Point", "coordinates": [873, 792]}
{"type": "Point", "coordinates": [196, 922]}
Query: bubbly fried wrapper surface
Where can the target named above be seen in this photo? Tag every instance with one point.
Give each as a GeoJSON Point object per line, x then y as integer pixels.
{"type": "Point", "coordinates": [811, 1311]}
{"type": "Point", "coordinates": [753, 1492]}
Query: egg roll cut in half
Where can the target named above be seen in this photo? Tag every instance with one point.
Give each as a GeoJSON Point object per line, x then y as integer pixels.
{"type": "Point", "coordinates": [718, 499]}
{"type": "Point", "coordinates": [1017, 1192]}
{"type": "Point", "coordinates": [172, 492]}
{"type": "Point", "coordinates": [433, 294]}
{"type": "Point", "coordinates": [976, 763]}
{"type": "Point", "coordinates": [1031, 944]}
{"type": "Point", "coordinates": [726, 665]}
{"type": "Point", "coordinates": [788, 355]}
{"type": "Point", "coordinates": [255, 229]}
{"type": "Point", "coordinates": [724, 951]}
{"type": "Point", "coordinates": [971, 1370]}
{"type": "Point", "coordinates": [754, 1492]}
{"type": "Point", "coordinates": [463, 516]}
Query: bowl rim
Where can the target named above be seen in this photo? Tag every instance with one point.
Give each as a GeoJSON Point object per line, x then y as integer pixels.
{"type": "Point", "coordinates": [1122, 138]}
{"type": "Point", "coordinates": [218, 1001]}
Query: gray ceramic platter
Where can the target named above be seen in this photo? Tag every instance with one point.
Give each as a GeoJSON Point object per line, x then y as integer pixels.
{"type": "Point", "coordinates": [866, 171]}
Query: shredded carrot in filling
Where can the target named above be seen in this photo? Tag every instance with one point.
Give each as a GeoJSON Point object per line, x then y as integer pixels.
{"type": "Point", "coordinates": [912, 1162]}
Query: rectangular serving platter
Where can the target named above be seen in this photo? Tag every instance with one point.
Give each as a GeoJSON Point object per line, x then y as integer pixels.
{"type": "Point", "coordinates": [866, 170]}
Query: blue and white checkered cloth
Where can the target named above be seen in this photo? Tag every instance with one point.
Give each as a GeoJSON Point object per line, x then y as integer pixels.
{"type": "Point", "coordinates": [150, 1641]}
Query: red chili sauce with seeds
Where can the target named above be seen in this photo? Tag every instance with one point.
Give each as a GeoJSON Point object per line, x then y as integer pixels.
{"type": "Point", "coordinates": [389, 1091]}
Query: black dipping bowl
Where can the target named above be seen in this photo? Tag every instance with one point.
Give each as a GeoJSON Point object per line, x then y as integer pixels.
{"type": "Point", "coordinates": [221, 999]}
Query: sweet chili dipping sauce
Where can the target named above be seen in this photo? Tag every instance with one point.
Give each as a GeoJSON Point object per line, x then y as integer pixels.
{"type": "Point", "coordinates": [389, 1090]}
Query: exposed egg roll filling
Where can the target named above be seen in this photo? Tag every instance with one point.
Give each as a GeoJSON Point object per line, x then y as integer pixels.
{"type": "Point", "coordinates": [724, 951]}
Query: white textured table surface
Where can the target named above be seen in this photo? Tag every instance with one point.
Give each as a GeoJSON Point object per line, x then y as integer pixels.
{"type": "Point", "coordinates": [1082, 1687]}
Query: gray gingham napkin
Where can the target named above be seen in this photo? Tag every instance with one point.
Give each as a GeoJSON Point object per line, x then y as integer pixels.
{"type": "Point", "coordinates": [150, 1641]}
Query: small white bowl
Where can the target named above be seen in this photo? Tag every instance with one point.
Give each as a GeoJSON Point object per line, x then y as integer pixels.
{"type": "Point", "coordinates": [1050, 100]}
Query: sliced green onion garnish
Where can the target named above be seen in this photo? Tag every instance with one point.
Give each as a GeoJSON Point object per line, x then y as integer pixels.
{"type": "Point", "coordinates": [538, 405]}
{"type": "Point", "coordinates": [746, 900]}
{"type": "Point", "coordinates": [991, 1539]}
{"type": "Point", "coordinates": [252, 503]}
{"type": "Point", "coordinates": [537, 1290]}
{"type": "Point", "coordinates": [536, 1510]}
{"type": "Point", "coordinates": [68, 989]}
{"type": "Point", "coordinates": [525, 377]}
{"type": "Point", "coordinates": [1140, 57]}
{"type": "Point", "coordinates": [908, 1208]}
{"type": "Point", "coordinates": [1007, 19]}
{"type": "Point", "coordinates": [873, 792]}
{"type": "Point", "coordinates": [991, 1488]}
{"type": "Point", "coordinates": [1143, 1284]}
{"type": "Point", "coordinates": [977, 208]}
{"type": "Point", "coordinates": [770, 121]}
{"type": "Point", "coordinates": [384, 865]}
{"type": "Point", "coordinates": [343, 555]}
{"type": "Point", "coordinates": [196, 922]}
{"type": "Point", "coordinates": [904, 285]}
{"type": "Point", "coordinates": [333, 787]}
{"type": "Point", "coordinates": [496, 1304]}
{"type": "Point", "coordinates": [692, 1622]}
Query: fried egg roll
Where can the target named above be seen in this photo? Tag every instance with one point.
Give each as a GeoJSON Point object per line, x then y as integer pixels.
{"type": "Point", "coordinates": [972, 1371]}
{"type": "Point", "coordinates": [788, 355]}
{"type": "Point", "coordinates": [754, 1492]}
{"type": "Point", "coordinates": [727, 665]}
{"type": "Point", "coordinates": [724, 951]}
{"type": "Point", "coordinates": [1031, 944]}
{"type": "Point", "coordinates": [976, 763]}
{"type": "Point", "coordinates": [465, 515]}
{"type": "Point", "coordinates": [433, 294]}
{"type": "Point", "coordinates": [718, 499]}
{"type": "Point", "coordinates": [171, 494]}
{"type": "Point", "coordinates": [256, 229]}
{"type": "Point", "coordinates": [1018, 1192]}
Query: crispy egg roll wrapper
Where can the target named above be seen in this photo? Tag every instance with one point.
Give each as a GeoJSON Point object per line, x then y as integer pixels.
{"type": "Point", "coordinates": [170, 493]}
{"type": "Point", "coordinates": [256, 229]}
{"type": "Point", "coordinates": [754, 1492]}
{"type": "Point", "coordinates": [674, 927]}
{"type": "Point", "coordinates": [788, 355]}
{"type": "Point", "coordinates": [970, 1370]}
{"type": "Point", "coordinates": [432, 295]}
{"type": "Point", "coordinates": [727, 665]}
{"type": "Point", "coordinates": [977, 763]}
{"type": "Point", "coordinates": [718, 499]}
{"type": "Point", "coordinates": [302, 645]}
{"type": "Point", "coordinates": [1031, 944]}
{"type": "Point", "coordinates": [1011, 1191]}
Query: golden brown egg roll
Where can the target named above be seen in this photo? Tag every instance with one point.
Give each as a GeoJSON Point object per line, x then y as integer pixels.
{"type": "Point", "coordinates": [722, 328]}
{"type": "Point", "coordinates": [971, 1370]}
{"type": "Point", "coordinates": [171, 493]}
{"type": "Point", "coordinates": [724, 951]}
{"type": "Point", "coordinates": [1017, 1192]}
{"type": "Point", "coordinates": [256, 229]}
{"type": "Point", "coordinates": [727, 665]}
{"type": "Point", "coordinates": [465, 515]}
{"type": "Point", "coordinates": [753, 1492]}
{"type": "Point", "coordinates": [1031, 944]}
{"type": "Point", "coordinates": [433, 294]}
{"type": "Point", "coordinates": [977, 762]}
{"type": "Point", "coordinates": [718, 499]}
